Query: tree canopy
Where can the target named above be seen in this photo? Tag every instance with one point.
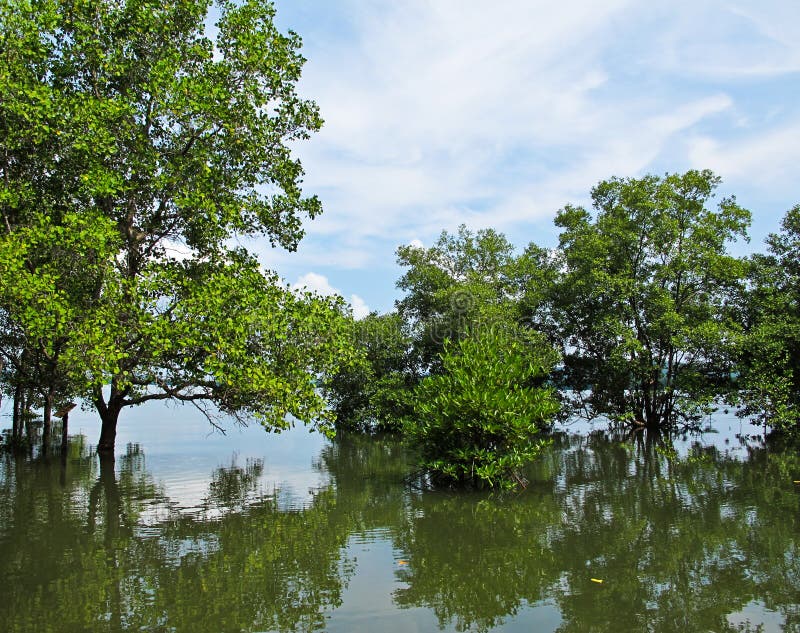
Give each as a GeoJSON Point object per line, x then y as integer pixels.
{"type": "Point", "coordinates": [641, 301]}
{"type": "Point", "coordinates": [463, 278]}
{"type": "Point", "coordinates": [769, 354]}
{"type": "Point", "coordinates": [128, 117]}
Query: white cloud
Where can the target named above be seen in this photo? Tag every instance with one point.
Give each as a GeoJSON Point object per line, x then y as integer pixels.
{"type": "Point", "coordinates": [440, 112]}
{"type": "Point", "coordinates": [316, 250]}
{"type": "Point", "coordinates": [497, 114]}
{"type": "Point", "coordinates": [772, 159]}
{"type": "Point", "coordinates": [359, 306]}
{"type": "Point", "coordinates": [315, 282]}
{"type": "Point", "coordinates": [729, 39]}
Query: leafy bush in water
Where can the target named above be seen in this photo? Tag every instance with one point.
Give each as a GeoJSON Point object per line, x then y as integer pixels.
{"type": "Point", "coordinates": [476, 422]}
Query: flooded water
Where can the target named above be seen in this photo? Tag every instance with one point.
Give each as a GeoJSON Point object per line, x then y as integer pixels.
{"type": "Point", "coordinates": [191, 531]}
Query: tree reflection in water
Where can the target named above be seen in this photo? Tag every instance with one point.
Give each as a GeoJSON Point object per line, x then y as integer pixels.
{"type": "Point", "coordinates": [679, 543]}
{"type": "Point", "coordinates": [682, 542]}
{"type": "Point", "coordinates": [87, 556]}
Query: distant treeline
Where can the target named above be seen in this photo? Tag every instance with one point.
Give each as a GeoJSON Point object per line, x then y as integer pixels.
{"type": "Point", "coordinates": [640, 315]}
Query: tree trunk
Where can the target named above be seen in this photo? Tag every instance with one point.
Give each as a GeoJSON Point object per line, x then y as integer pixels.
{"type": "Point", "coordinates": [646, 408]}
{"type": "Point", "coordinates": [653, 421]}
{"type": "Point", "coordinates": [22, 398]}
{"type": "Point", "coordinates": [47, 426]}
{"type": "Point", "coordinates": [26, 403]}
{"type": "Point", "coordinates": [64, 441]}
{"type": "Point", "coordinates": [108, 431]}
{"type": "Point", "coordinates": [109, 414]}
{"type": "Point", "coordinates": [19, 407]}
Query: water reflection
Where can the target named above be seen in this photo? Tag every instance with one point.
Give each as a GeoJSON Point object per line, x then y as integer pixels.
{"type": "Point", "coordinates": [684, 537]}
{"type": "Point", "coordinates": [234, 488]}
{"type": "Point", "coordinates": [107, 551]}
{"type": "Point", "coordinates": [680, 544]}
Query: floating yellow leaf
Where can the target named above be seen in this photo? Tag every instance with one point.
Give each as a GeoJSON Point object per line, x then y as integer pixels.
{"type": "Point", "coordinates": [597, 580]}
{"type": "Point", "coordinates": [402, 562]}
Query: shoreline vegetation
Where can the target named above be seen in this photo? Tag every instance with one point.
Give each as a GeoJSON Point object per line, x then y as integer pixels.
{"type": "Point", "coordinates": [127, 132]}
{"type": "Point", "coordinates": [640, 316]}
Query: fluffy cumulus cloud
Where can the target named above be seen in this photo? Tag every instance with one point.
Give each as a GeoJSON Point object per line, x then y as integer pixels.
{"type": "Point", "coordinates": [497, 114]}
{"type": "Point", "coordinates": [314, 282]}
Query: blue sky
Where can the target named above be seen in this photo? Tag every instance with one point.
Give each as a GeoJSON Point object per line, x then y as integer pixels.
{"type": "Point", "coordinates": [441, 112]}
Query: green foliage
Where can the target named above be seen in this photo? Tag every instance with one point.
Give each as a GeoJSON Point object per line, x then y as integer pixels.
{"type": "Point", "coordinates": [372, 393]}
{"type": "Point", "coordinates": [641, 305]}
{"type": "Point", "coordinates": [53, 308]}
{"type": "Point", "coordinates": [476, 422]}
{"type": "Point", "coordinates": [769, 355]}
{"type": "Point", "coordinates": [461, 280]}
{"type": "Point", "coordinates": [127, 134]}
{"type": "Point", "coordinates": [470, 303]}
{"type": "Point", "coordinates": [222, 331]}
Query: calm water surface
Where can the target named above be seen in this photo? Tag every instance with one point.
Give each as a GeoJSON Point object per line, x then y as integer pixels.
{"type": "Point", "coordinates": [191, 531]}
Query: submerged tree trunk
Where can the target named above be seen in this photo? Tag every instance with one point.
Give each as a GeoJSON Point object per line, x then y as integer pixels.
{"type": "Point", "coordinates": [108, 430]}
{"type": "Point", "coordinates": [26, 403]}
{"type": "Point", "coordinates": [47, 426]}
{"type": "Point", "coordinates": [109, 415]}
{"type": "Point", "coordinates": [19, 407]}
{"type": "Point", "coordinates": [64, 439]}
{"type": "Point", "coordinates": [653, 421]}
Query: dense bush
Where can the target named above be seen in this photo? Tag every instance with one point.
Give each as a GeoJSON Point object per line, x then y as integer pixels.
{"type": "Point", "coordinates": [476, 423]}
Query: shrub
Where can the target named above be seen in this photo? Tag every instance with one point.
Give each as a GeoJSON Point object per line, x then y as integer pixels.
{"type": "Point", "coordinates": [476, 423]}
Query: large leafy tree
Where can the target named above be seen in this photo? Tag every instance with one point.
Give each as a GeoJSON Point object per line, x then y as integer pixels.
{"type": "Point", "coordinates": [128, 112]}
{"type": "Point", "coordinates": [474, 309]}
{"type": "Point", "coordinates": [770, 351]}
{"type": "Point", "coordinates": [462, 279]}
{"type": "Point", "coordinates": [641, 302]}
